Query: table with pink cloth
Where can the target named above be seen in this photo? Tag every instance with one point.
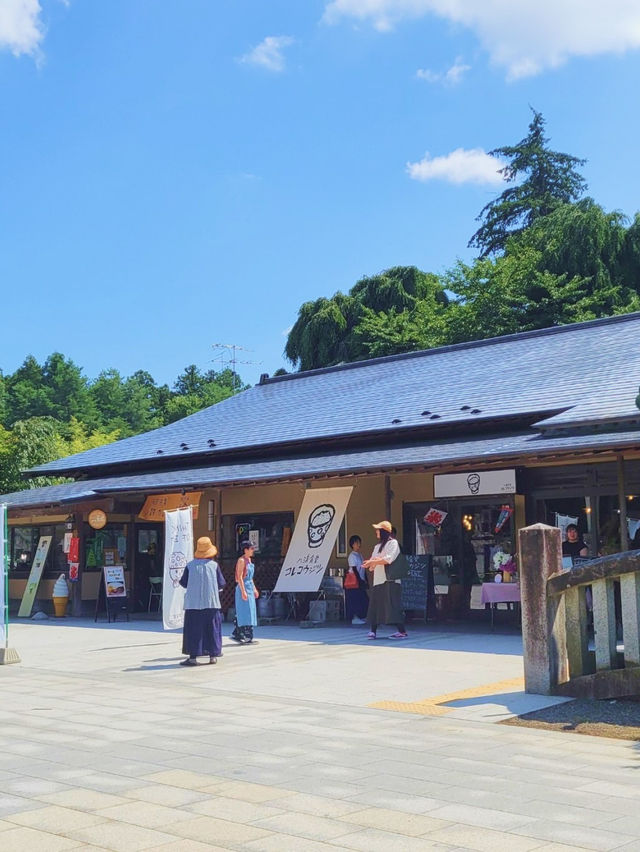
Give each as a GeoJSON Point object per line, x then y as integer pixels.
{"type": "Point", "coordinates": [495, 593]}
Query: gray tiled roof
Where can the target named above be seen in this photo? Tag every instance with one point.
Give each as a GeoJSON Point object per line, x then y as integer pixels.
{"type": "Point", "coordinates": [584, 371]}
{"type": "Point", "coordinates": [491, 449]}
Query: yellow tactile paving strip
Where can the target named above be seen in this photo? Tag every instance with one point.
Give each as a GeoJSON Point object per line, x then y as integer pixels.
{"type": "Point", "coordinates": [435, 706]}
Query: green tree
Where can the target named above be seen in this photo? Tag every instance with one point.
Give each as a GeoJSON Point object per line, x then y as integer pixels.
{"type": "Point", "coordinates": [381, 314]}
{"type": "Point", "coordinates": [30, 443]}
{"type": "Point", "coordinates": [550, 178]}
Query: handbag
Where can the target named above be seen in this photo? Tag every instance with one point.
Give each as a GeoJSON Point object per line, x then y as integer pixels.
{"type": "Point", "coordinates": [351, 580]}
{"type": "Point", "coordinates": [398, 569]}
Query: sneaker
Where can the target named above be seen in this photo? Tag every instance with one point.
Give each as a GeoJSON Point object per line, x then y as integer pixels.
{"type": "Point", "coordinates": [398, 635]}
{"type": "Point", "coordinates": [371, 636]}
{"type": "Point", "coordinates": [356, 620]}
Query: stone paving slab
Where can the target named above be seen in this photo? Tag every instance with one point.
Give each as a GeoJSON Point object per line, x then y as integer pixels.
{"type": "Point", "coordinates": [110, 745]}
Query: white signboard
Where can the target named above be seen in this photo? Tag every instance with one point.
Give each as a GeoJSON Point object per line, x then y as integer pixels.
{"type": "Point", "coordinates": [474, 483]}
{"type": "Point", "coordinates": [4, 620]}
{"type": "Point", "coordinates": [313, 538]}
{"type": "Point", "coordinates": [35, 574]}
{"type": "Point", "coordinates": [178, 550]}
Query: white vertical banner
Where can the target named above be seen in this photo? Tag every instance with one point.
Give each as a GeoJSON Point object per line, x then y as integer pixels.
{"type": "Point", "coordinates": [4, 601]}
{"type": "Point", "coordinates": [315, 534]}
{"type": "Point", "coordinates": [178, 550]}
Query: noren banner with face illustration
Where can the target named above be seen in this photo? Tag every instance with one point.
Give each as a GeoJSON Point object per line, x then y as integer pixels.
{"type": "Point", "coordinates": [178, 550]}
{"type": "Point", "coordinates": [313, 538]}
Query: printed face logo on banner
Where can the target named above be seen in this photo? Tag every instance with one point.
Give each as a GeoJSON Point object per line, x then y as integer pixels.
{"type": "Point", "coordinates": [319, 523]}
{"type": "Point", "coordinates": [177, 564]}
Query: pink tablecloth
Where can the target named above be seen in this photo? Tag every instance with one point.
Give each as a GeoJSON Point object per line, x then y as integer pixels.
{"type": "Point", "coordinates": [493, 593]}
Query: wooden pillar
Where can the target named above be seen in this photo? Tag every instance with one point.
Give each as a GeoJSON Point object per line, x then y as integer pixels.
{"type": "Point", "coordinates": [622, 503]}
{"type": "Point", "coordinates": [577, 635]}
{"type": "Point", "coordinates": [543, 619]}
{"type": "Point", "coordinates": [630, 593]}
{"type": "Point", "coordinates": [76, 588]}
{"type": "Point", "coordinates": [388, 494]}
{"type": "Point", "coordinates": [604, 624]}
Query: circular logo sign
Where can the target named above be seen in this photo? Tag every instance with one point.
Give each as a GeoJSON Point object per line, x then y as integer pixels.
{"type": "Point", "coordinates": [97, 519]}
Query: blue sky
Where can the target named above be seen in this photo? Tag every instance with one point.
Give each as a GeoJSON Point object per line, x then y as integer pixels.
{"type": "Point", "coordinates": [176, 173]}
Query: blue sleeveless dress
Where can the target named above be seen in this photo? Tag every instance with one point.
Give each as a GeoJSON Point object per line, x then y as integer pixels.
{"type": "Point", "coordinates": [246, 610]}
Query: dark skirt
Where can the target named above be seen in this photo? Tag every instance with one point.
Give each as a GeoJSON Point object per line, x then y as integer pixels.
{"type": "Point", "coordinates": [385, 604]}
{"type": "Point", "coordinates": [202, 633]}
{"type": "Point", "coordinates": [356, 602]}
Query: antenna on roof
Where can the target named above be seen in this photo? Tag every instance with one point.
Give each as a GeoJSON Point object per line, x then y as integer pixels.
{"type": "Point", "coordinates": [228, 358]}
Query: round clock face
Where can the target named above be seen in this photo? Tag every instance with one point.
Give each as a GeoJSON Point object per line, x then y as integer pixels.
{"type": "Point", "coordinates": [97, 519]}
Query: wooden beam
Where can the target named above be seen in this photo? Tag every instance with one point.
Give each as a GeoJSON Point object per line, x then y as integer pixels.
{"type": "Point", "coordinates": [622, 503]}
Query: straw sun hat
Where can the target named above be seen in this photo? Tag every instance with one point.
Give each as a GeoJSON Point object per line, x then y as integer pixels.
{"type": "Point", "coordinates": [383, 525]}
{"type": "Point", "coordinates": [205, 548]}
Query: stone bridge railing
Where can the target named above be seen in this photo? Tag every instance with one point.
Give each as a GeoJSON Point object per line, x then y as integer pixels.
{"type": "Point", "coordinates": [565, 651]}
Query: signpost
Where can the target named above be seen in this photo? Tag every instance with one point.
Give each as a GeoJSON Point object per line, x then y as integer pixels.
{"type": "Point", "coordinates": [7, 654]}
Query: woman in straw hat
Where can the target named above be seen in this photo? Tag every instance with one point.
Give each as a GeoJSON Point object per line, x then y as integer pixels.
{"type": "Point", "coordinates": [385, 603]}
{"type": "Point", "coordinates": [203, 579]}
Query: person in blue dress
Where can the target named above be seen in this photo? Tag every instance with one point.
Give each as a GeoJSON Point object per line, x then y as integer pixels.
{"type": "Point", "coordinates": [203, 579]}
{"type": "Point", "coordinates": [246, 594]}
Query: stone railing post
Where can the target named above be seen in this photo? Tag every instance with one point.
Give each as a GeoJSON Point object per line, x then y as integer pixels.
{"type": "Point", "coordinates": [543, 620]}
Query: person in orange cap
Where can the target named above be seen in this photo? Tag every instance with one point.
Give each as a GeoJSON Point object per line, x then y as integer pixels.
{"type": "Point", "coordinates": [203, 579]}
{"type": "Point", "coordinates": [385, 602]}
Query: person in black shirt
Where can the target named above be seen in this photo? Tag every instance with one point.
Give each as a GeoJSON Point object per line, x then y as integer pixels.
{"type": "Point", "coordinates": [574, 545]}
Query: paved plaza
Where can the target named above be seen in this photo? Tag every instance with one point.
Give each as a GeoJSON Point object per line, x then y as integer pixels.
{"type": "Point", "coordinates": [308, 740]}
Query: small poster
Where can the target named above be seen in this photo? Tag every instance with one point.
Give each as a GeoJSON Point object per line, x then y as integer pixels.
{"type": "Point", "coordinates": [254, 538]}
{"type": "Point", "coordinates": [435, 517]}
{"type": "Point", "coordinates": [114, 581]}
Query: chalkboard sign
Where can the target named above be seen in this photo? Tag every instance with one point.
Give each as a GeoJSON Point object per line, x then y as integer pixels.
{"type": "Point", "coordinates": [415, 587]}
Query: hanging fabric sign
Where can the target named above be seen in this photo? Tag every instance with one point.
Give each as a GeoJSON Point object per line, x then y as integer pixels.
{"type": "Point", "coordinates": [4, 603]}
{"type": "Point", "coordinates": [178, 550]}
{"type": "Point", "coordinates": [313, 538]}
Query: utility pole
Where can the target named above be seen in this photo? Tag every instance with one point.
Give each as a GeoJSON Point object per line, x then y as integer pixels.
{"type": "Point", "coordinates": [227, 357]}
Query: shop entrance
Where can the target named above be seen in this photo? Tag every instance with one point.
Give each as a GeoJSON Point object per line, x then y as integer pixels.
{"type": "Point", "coordinates": [468, 548]}
{"type": "Point", "coordinates": [148, 567]}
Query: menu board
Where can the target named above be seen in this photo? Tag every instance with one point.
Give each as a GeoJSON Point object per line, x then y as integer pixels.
{"type": "Point", "coordinates": [415, 587]}
{"type": "Point", "coordinates": [114, 581]}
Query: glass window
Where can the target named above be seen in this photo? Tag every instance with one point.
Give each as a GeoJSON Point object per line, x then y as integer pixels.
{"type": "Point", "coordinates": [271, 534]}
{"type": "Point", "coordinates": [113, 538]}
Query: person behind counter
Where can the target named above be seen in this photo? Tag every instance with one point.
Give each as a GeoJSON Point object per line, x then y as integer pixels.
{"type": "Point", "coordinates": [203, 579]}
{"type": "Point", "coordinates": [385, 603]}
{"type": "Point", "coordinates": [574, 544]}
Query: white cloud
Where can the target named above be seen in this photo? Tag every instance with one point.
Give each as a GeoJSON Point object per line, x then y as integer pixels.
{"type": "Point", "coordinates": [269, 53]}
{"type": "Point", "coordinates": [460, 166]}
{"type": "Point", "coordinates": [451, 77]}
{"type": "Point", "coordinates": [21, 29]}
{"type": "Point", "coordinates": [524, 37]}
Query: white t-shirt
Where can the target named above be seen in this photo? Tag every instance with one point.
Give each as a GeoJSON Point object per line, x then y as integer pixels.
{"type": "Point", "coordinates": [355, 561]}
{"type": "Point", "coordinates": [389, 553]}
